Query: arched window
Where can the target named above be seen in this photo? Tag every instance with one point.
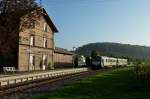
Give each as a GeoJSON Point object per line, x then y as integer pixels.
{"type": "Point", "coordinates": [45, 43]}
{"type": "Point", "coordinates": [32, 40]}
{"type": "Point", "coordinates": [45, 27]}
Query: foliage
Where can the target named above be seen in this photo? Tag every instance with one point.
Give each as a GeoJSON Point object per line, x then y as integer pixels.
{"type": "Point", "coordinates": [76, 61]}
{"type": "Point", "coordinates": [50, 66]}
{"type": "Point", "coordinates": [94, 54]}
{"type": "Point", "coordinates": [88, 61]}
{"type": "Point", "coordinates": [15, 17]}
{"type": "Point", "coordinates": [132, 52]}
{"type": "Point", "coordinates": [142, 72]}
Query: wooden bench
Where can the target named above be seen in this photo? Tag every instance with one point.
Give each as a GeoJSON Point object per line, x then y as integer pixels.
{"type": "Point", "coordinates": [9, 69]}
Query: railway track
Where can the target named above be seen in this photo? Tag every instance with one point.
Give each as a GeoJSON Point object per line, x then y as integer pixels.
{"type": "Point", "coordinates": [37, 83]}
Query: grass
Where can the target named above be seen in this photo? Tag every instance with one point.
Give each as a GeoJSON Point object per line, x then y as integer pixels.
{"type": "Point", "coordinates": [114, 84]}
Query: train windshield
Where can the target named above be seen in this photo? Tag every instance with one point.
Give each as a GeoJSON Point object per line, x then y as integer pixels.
{"type": "Point", "coordinates": [97, 59]}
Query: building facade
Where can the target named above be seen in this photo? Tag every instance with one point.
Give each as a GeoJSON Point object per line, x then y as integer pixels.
{"type": "Point", "coordinates": [36, 50]}
{"type": "Point", "coordinates": [63, 58]}
{"type": "Point", "coordinates": [36, 46]}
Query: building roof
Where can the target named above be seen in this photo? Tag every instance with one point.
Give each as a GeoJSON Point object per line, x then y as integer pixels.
{"type": "Point", "coordinates": [47, 18]}
{"type": "Point", "coordinates": [50, 23]}
{"type": "Point", "coordinates": [62, 51]}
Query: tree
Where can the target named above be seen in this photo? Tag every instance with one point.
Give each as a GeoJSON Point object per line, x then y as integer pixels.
{"type": "Point", "coordinates": [76, 59]}
{"type": "Point", "coordinates": [88, 61]}
{"type": "Point", "coordinates": [94, 54]}
{"type": "Point", "coordinates": [15, 16]}
{"type": "Point", "coordinates": [13, 20]}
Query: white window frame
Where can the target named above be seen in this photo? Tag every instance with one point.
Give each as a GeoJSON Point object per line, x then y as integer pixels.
{"type": "Point", "coordinates": [45, 27]}
{"type": "Point", "coordinates": [32, 40]}
{"type": "Point", "coordinates": [45, 42]}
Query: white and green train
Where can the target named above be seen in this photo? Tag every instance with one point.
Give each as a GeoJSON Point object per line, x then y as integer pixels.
{"type": "Point", "coordinates": [105, 61]}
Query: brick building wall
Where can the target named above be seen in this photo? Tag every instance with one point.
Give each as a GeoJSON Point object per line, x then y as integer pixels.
{"type": "Point", "coordinates": [63, 58]}
{"type": "Point", "coordinates": [36, 47]}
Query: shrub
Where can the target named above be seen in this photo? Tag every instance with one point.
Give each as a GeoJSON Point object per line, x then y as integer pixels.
{"type": "Point", "coordinates": [142, 72]}
{"type": "Point", "coordinates": [50, 66]}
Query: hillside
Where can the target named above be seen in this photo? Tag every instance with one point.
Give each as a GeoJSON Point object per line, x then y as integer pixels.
{"type": "Point", "coordinates": [116, 49]}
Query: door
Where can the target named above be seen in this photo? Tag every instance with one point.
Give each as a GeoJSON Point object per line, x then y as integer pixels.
{"type": "Point", "coordinates": [44, 62]}
{"type": "Point", "coordinates": [31, 62]}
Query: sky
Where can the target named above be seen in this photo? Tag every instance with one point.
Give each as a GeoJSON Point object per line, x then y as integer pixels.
{"type": "Point", "coordinates": [87, 21]}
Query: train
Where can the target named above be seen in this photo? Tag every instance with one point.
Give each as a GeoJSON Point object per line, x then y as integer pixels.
{"type": "Point", "coordinates": [106, 62]}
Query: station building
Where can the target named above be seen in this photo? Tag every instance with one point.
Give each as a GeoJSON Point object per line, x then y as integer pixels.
{"type": "Point", "coordinates": [63, 58]}
{"type": "Point", "coordinates": [36, 46]}
{"type": "Point", "coordinates": [35, 49]}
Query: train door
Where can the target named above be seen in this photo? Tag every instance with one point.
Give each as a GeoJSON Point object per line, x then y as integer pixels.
{"type": "Point", "coordinates": [102, 62]}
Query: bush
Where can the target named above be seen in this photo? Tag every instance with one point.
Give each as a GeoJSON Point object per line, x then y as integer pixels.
{"type": "Point", "coordinates": [142, 72]}
{"type": "Point", "coordinates": [50, 66]}
{"type": "Point", "coordinates": [88, 61]}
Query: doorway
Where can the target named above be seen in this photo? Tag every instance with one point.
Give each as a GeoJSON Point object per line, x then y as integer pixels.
{"type": "Point", "coordinates": [31, 62]}
{"type": "Point", "coordinates": [44, 62]}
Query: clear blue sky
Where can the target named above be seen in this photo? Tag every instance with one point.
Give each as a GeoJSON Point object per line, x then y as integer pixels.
{"type": "Point", "coordinates": [87, 21]}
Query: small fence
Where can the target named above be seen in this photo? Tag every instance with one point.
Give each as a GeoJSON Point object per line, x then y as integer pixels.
{"type": "Point", "coordinates": [12, 80]}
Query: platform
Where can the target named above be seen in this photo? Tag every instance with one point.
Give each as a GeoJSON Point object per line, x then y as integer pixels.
{"type": "Point", "coordinates": [6, 80]}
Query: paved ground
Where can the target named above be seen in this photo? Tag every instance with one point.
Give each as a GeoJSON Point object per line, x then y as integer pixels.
{"type": "Point", "coordinates": [2, 75]}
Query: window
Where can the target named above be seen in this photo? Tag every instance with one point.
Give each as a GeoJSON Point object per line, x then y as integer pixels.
{"type": "Point", "coordinates": [33, 24]}
{"type": "Point", "coordinates": [45, 43]}
{"type": "Point", "coordinates": [45, 27]}
{"type": "Point", "coordinates": [32, 40]}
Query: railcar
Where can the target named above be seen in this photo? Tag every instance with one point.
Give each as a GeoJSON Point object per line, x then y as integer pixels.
{"type": "Point", "coordinates": [81, 61]}
{"type": "Point", "coordinates": [96, 63]}
{"type": "Point", "coordinates": [122, 62]}
{"type": "Point", "coordinates": [107, 62]}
